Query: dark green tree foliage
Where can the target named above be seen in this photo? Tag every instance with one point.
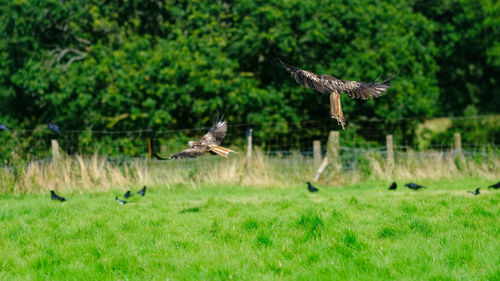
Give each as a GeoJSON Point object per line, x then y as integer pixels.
{"type": "Point", "coordinates": [468, 35]}
{"type": "Point", "coordinates": [161, 65]}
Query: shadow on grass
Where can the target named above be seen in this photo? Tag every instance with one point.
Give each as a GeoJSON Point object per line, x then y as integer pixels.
{"type": "Point", "coordinates": [190, 210]}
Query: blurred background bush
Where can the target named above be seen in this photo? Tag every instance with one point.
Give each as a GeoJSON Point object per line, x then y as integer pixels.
{"type": "Point", "coordinates": [148, 69]}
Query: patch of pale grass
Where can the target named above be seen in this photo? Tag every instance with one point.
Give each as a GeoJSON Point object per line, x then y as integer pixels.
{"type": "Point", "coordinates": [97, 174]}
{"type": "Point", "coordinates": [419, 165]}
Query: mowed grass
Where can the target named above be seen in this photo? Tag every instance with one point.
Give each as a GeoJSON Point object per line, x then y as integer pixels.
{"type": "Point", "coordinates": [360, 232]}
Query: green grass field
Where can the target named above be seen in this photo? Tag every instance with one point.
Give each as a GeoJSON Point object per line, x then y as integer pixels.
{"type": "Point", "coordinates": [360, 232]}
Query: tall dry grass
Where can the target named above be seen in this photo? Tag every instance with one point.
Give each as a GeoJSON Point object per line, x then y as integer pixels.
{"type": "Point", "coordinates": [95, 173]}
{"type": "Point", "coordinates": [435, 165]}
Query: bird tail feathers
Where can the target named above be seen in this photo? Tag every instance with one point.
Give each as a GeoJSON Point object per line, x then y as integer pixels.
{"type": "Point", "coordinates": [336, 109]}
{"type": "Point", "coordinates": [219, 150]}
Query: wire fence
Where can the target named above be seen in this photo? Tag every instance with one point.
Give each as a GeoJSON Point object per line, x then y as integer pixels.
{"type": "Point", "coordinates": [412, 137]}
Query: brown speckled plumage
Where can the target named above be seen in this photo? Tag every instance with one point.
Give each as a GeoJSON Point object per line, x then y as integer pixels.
{"type": "Point", "coordinates": [208, 143]}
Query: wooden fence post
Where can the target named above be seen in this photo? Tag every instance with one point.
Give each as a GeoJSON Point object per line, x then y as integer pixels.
{"type": "Point", "coordinates": [390, 151]}
{"type": "Point", "coordinates": [332, 154]}
{"type": "Point", "coordinates": [317, 153]}
{"type": "Point", "coordinates": [333, 150]}
{"type": "Point", "coordinates": [150, 153]}
{"type": "Point", "coordinates": [458, 148]}
{"type": "Point", "coordinates": [458, 143]}
{"type": "Point", "coordinates": [55, 150]}
{"type": "Point", "coordinates": [249, 149]}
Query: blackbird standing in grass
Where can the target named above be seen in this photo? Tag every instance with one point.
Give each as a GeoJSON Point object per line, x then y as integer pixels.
{"type": "Point", "coordinates": [393, 186]}
{"type": "Point", "coordinates": [142, 192]}
{"type": "Point", "coordinates": [495, 186]}
{"type": "Point", "coordinates": [475, 192]}
{"type": "Point", "coordinates": [311, 188]}
{"type": "Point", "coordinates": [54, 128]}
{"type": "Point", "coordinates": [4, 127]}
{"type": "Point", "coordinates": [56, 197]}
{"type": "Point", "coordinates": [127, 194]}
{"type": "Point", "coordinates": [120, 201]}
{"type": "Point", "coordinates": [414, 186]}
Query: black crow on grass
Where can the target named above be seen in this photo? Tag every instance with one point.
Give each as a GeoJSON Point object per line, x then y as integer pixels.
{"type": "Point", "coordinates": [56, 197]}
{"type": "Point", "coordinates": [414, 186]}
{"type": "Point", "coordinates": [495, 186]}
{"type": "Point", "coordinates": [311, 188]}
{"type": "Point", "coordinates": [142, 192]}
{"type": "Point", "coordinates": [127, 194]}
{"type": "Point", "coordinates": [475, 192]}
{"type": "Point", "coordinates": [393, 186]}
{"type": "Point", "coordinates": [120, 201]}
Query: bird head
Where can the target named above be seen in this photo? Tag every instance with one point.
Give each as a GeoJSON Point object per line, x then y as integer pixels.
{"type": "Point", "coordinates": [191, 143]}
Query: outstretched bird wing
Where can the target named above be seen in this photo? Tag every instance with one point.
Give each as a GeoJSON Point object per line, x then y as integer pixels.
{"type": "Point", "coordinates": [358, 90]}
{"type": "Point", "coordinates": [326, 84]}
{"type": "Point", "coordinates": [216, 133]}
{"type": "Point", "coordinates": [189, 153]}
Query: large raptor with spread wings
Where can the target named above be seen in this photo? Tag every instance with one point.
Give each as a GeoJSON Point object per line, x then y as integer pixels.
{"type": "Point", "coordinates": [327, 84]}
{"type": "Point", "coordinates": [208, 143]}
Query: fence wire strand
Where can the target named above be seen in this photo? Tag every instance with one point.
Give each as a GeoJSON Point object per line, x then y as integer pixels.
{"type": "Point", "coordinates": [276, 140]}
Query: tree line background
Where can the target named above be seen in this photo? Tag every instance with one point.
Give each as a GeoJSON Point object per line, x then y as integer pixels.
{"type": "Point", "coordinates": [167, 65]}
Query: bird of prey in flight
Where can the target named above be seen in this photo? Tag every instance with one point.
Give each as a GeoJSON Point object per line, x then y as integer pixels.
{"type": "Point", "coordinates": [327, 84]}
{"type": "Point", "coordinates": [208, 143]}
